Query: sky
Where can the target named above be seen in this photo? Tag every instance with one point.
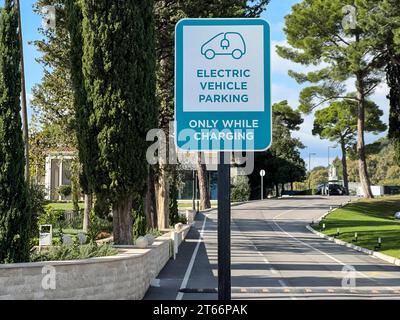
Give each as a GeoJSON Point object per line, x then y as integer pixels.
{"type": "Point", "coordinates": [283, 86]}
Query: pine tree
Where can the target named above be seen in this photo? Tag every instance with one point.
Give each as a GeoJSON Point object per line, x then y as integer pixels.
{"type": "Point", "coordinates": [118, 70]}
{"type": "Point", "coordinates": [14, 203]}
{"type": "Point", "coordinates": [316, 33]}
{"type": "Point", "coordinates": [338, 122]}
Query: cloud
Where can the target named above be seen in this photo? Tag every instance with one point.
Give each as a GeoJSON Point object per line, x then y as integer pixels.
{"type": "Point", "coordinates": [282, 92]}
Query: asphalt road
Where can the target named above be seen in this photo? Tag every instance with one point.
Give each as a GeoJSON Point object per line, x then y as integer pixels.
{"type": "Point", "coordinates": [274, 256]}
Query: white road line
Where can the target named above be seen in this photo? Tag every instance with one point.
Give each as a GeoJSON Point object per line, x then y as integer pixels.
{"type": "Point", "coordinates": [282, 283]}
{"type": "Point", "coordinates": [191, 263]}
{"type": "Point", "coordinates": [310, 246]}
{"type": "Point", "coordinates": [273, 271]}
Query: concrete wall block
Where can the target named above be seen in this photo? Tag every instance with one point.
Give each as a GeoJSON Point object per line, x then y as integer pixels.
{"type": "Point", "coordinates": [116, 278]}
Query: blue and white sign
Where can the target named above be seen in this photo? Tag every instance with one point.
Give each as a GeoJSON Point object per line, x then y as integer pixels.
{"type": "Point", "coordinates": [222, 85]}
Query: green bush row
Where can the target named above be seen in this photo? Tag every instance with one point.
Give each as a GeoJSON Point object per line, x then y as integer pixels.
{"type": "Point", "coordinates": [73, 252]}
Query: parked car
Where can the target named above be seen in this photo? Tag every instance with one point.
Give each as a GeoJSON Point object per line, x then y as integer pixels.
{"type": "Point", "coordinates": [334, 190]}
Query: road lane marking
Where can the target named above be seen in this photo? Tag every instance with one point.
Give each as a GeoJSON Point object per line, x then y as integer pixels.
{"type": "Point", "coordinates": [271, 269]}
{"type": "Point", "coordinates": [282, 283]}
{"type": "Point", "coordinates": [313, 248]}
{"type": "Point", "coordinates": [191, 263]}
{"type": "Point", "coordinates": [310, 246]}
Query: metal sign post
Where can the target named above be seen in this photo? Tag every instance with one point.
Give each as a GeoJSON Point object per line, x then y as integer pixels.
{"type": "Point", "coordinates": [223, 103]}
{"type": "Point", "coordinates": [224, 227]}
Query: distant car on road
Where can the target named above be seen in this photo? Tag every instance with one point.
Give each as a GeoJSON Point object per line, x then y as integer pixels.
{"type": "Point", "coordinates": [225, 44]}
{"type": "Point", "coordinates": [334, 190]}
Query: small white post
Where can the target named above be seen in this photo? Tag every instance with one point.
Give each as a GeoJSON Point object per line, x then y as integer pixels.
{"type": "Point", "coordinates": [174, 238]}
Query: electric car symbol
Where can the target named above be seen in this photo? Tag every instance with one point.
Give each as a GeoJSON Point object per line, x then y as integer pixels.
{"type": "Point", "coordinates": [225, 44]}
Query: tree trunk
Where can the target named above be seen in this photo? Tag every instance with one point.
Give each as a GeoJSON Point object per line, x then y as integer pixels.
{"type": "Point", "coordinates": [205, 202]}
{"type": "Point", "coordinates": [344, 165]}
{"type": "Point", "coordinates": [162, 190]}
{"type": "Point", "coordinates": [86, 213]}
{"type": "Point", "coordinates": [277, 190]}
{"type": "Point", "coordinates": [150, 201]}
{"type": "Point", "coordinates": [123, 221]}
{"type": "Point", "coordinates": [362, 162]}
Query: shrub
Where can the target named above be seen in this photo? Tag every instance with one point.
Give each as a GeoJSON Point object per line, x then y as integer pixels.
{"type": "Point", "coordinates": [173, 204]}
{"type": "Point", "coordinates": [65, 191]}
{"type": "Point", "coordinates": [154, 232]}
{"type": "Point", "coordinates": [77, 220]}
{"type": "Point", "coordinates": [182, 219]}
{"type": "Point", "coordinates": [55, 217]}
{"type": "Point", "coordinates": [98, 225]}
{"type": "Point", "coordinates": [74, 252]}
{"type": "Point", "coordinates": [37, 197]}
{"type": "Point", "coordinates": [240, 190]}
{"type": "Point", "coordinates": [139, 217]}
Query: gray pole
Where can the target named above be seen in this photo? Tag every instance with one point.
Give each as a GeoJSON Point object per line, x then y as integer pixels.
{"type": "Point", "coordinates": [194, 191]}
{"type": "Point", "coordinates": [262, 188]}
{"type": "Point", "coordinates": [224, 228]}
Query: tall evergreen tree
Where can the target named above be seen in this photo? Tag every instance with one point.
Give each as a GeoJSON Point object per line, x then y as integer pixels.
{"type": "Point", "coordinates": [118, 70]}
{"type": "Point", "coordinates": [316, 33]}
{"type": "Point", "coordinates": [14, 203]}
{"type": "Point", "coordinates": [338, 123]}
{"type": "Point", "coordinates": [384, 25]}
{"type": "Point", "coordinates": [87, 150]}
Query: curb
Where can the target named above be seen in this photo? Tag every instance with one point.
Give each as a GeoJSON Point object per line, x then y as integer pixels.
{"type": "Point", "coordinates": [375, 254]}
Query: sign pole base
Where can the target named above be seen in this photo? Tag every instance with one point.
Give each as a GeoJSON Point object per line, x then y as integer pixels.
{"type": "Point", "coordinates": [224, 227]}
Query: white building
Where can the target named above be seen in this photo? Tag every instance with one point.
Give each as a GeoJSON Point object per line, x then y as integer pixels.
{"type": "Point", "coordinates": [58, 173]}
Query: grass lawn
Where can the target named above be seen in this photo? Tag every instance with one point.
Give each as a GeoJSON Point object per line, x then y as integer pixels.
{"type": "Point", "coordinates": [68, 231]}
{"type": "Point", "coordinates": [187, 204]}
{"type": "Point", "coordinates": [371, 219]}
{"type": "Point", "coordinates": [64, 205]}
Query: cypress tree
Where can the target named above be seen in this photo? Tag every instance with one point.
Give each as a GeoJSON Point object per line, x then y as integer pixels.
{"type": "Point", "coordinates": [119, 79]}
{"type": "Point", "coordinates": [14, 204]}
{"type": "Point", "coordinates": [86, 135]}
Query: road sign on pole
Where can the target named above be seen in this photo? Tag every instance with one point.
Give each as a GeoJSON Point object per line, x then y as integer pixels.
{"type": "Point", "coordinates": [223, 85]}
{"type": "Point", "coordinates": [223, 103]}
{"type": "Point", "coordinates": [262, 175]}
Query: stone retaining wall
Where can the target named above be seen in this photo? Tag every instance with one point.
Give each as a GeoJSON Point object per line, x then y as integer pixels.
{"type": "Point", "coordinates": [124, 276]}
